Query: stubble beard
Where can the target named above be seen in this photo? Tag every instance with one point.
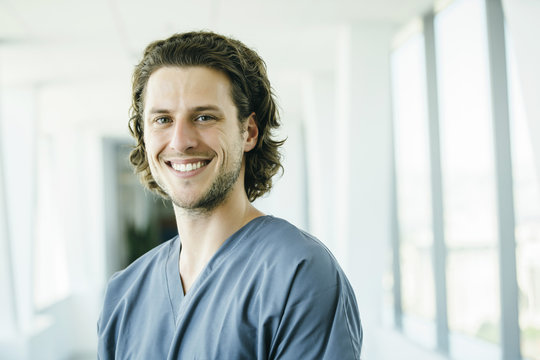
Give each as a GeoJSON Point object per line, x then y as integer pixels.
{"type": "Point", "coordinates": [217, 193]}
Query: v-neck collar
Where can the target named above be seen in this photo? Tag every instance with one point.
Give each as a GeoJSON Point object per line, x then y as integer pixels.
{"type": "Point", "coordinates": [172, 276]}
{"type": "Point", "coordinates": [178, 299]}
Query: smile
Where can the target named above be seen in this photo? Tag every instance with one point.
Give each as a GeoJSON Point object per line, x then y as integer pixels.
{"type": "Point", "coordinates": [189, 166]}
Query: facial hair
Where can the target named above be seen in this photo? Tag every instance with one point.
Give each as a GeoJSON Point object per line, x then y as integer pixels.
{"type": "Point", "coordinates": [216, 195]}
{"type": "Point", "coordinates": [218, 191]}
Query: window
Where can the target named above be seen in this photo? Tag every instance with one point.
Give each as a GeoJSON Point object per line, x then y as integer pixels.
{"type": "Point", "coordinates": [470, 218]}
{"type": "Point", "coordinates": [527, 208]}
{"type": "Point", "coordinates": [466, 306]}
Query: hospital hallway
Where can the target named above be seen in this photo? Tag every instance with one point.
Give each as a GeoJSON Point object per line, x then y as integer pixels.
{"type": "Point", "coordinates": [412, 153]}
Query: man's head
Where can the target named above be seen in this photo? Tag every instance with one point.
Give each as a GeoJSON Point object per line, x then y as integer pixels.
{"type": "Point", "coordinates": [250, 93]}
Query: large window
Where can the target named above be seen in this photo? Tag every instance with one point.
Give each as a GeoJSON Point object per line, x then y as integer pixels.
{"type": "Point", "coordinates": [527, 204]}
{"type": "Point", "coordinates": [467, 160]}
{"type": "Point", "coordinates": [467, 303]}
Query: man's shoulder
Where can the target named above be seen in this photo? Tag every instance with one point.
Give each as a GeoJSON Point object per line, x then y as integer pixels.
{"type": "Point", "coordinates": [292, 254]}
{"type": "Point", "coordinates": [287, 240]}
{"type": "Point", "coordinates": [301, 274]}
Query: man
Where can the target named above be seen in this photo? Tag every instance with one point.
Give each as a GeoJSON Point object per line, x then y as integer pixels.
{"type": "Point", "coordinates": [235, 283]}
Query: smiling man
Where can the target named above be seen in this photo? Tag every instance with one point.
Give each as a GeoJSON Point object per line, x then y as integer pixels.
{"type": "Point", "coordinates": [235, 283]}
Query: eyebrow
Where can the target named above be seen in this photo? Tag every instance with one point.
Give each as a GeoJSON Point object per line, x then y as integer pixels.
{"type": "Point", "coordinates": [158, 111]}
{"type": "Point", "coordinates": [201, 108]}
{"type": "Point", "coordinates": [205, 108]}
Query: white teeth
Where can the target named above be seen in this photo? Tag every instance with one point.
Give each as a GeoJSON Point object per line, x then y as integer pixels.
{"type": "Point", "coordinates": [187, 167]}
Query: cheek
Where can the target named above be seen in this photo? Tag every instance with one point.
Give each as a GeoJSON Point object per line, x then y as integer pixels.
{"type": "Point", "coordinates": [233, 149]}
{"type": "Point", "coordinates": [152, 144]}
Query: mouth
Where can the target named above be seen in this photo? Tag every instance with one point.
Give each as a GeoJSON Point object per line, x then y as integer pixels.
{"type": "Point", "coordinates": [185, 167]}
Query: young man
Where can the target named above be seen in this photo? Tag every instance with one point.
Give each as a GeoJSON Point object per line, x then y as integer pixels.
{"type": "Point", "coordinates": [235, 283]}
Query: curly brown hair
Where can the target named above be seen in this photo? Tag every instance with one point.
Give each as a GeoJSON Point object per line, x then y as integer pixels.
{"type": "Point", "coordinates": [250, 90]}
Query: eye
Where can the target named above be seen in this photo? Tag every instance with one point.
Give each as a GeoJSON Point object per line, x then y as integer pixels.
{"type": "Point", "coordinates": [162, 120]}
{"type": "Point", "coordinates": [204, 118]}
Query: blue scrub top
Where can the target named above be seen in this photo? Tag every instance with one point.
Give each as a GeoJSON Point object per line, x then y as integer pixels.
{"type": "Point", "coordinates": [271, 291]}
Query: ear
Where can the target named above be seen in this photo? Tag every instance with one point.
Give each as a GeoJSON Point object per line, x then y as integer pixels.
{"type": "Point", "coordinates": [251, 133]}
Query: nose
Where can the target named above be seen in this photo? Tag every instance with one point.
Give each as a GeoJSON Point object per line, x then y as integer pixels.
{"type": "Point", "coordinates": [184, 136]}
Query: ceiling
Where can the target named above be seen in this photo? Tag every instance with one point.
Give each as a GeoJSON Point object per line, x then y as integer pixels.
{"type": "Point", "coordinates": [61, 40]}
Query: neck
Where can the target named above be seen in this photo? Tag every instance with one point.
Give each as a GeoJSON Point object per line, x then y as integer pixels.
{"type": "Point", "coordinates": [209, 230]}
{"type": "Point", "coordinates": [202, 234]}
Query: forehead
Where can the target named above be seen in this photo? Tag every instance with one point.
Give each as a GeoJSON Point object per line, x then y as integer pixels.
{"type": "Point", "coordinates": [182, 86]}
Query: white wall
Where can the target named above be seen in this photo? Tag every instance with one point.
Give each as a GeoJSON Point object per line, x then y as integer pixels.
{"type": "Point", "coordinates": [363, 157]}
{"type": "Point", "coordinates": [320, 123]}
{"type": "Point", "coordinates": [288, 195]}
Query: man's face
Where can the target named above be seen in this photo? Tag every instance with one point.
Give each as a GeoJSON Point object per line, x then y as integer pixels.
{"type": "Point", "coordinates": [194, 143]}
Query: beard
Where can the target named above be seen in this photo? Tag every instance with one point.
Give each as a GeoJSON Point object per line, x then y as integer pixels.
{"type": "Point", "coordinates": [215, 195]}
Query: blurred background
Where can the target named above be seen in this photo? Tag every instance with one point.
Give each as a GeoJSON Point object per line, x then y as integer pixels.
{"type": "Point", "coordinates": [413, 152]}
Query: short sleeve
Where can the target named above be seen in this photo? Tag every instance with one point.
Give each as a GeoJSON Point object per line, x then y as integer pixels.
{"type": "Point", "coordinates": [320, 319]}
